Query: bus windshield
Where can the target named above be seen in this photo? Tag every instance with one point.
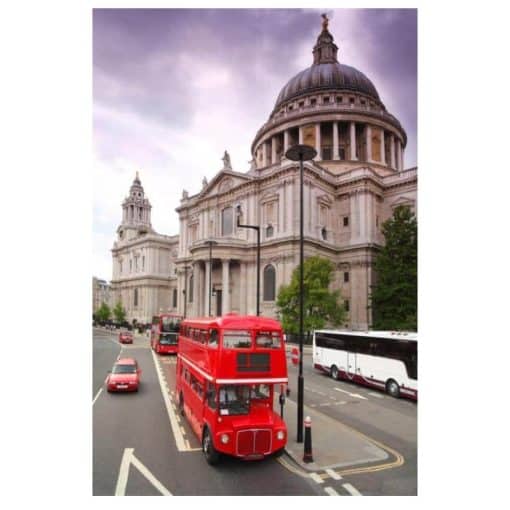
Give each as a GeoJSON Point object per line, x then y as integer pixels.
{"type": "Point", "coordinates": [234, 399]}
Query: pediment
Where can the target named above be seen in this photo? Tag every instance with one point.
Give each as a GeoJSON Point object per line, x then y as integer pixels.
{"type": "Point", "coordinates": [223, 182]}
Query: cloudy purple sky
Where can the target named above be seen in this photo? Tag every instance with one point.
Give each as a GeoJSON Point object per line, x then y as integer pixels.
{"type": "Point", "coordinates": [174, 88]}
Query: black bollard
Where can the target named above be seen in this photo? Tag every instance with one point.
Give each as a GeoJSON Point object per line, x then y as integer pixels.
{"type": "Point", "coordinates": [307, 457]}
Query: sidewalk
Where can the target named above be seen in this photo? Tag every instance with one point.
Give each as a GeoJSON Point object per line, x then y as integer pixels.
{"type": "Point", "coordinates": [333, 444]}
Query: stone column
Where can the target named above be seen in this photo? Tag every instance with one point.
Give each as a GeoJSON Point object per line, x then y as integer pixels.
{"type": "Point", "coordinates": [368, 134]}
{"type": "Point", "coordinates": [286, 139]}
{"type": "Point", "coordinates": [264, 154]}
{"type": "Point", "coordinates": [335, 140]}
{"type": "Point", "coordinates": [225, 285]}
{"type": "Point", "coordinates": [383, 148]}
{"type": "Point", "coordinates": [273, 150]}
{"type": "Point", "coordinates": [196, 297]}
{"type": "Point", "coordinates": [392, 151]}
{"type": "Point", "coordinates": [207, 296]}
{"type": "Point", "coordinates": [353, 141]}
{"type": "Point", "coordinates": [242, 288]}
{"type": "Point", "coordinates": [398, 155]}
{"type": "Point", "coordinates": [300, 134]}
{"type": "Point", "coordinates": [401, 157]}
{"type": "Point", "coordinates": [318, 142]}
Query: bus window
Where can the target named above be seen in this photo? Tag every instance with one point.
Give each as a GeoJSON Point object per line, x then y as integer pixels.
{"type": "Point", "coordinates": [260, 392]}
{"type": "Point", "coordinates": [269, 339]}
{"type": "Point", "coordinates": [234, 399]}
{"type": "Point", "coordinates": [211, 395]}
{"type": "Point", "coordinates": [213, 338]}
{"type": "Point", "coordinates": [235, 339]}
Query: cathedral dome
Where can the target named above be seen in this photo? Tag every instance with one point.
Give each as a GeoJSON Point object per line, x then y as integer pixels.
{"type": "Point", "coordinates": [329, 76]}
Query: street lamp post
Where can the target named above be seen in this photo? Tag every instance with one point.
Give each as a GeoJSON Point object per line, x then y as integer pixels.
{"type": "Point", "coordinates": [301, 153]}
{"type": "Point", "coordinates": [210, 242]}
{"type": "Point", "coordinates": [257, 229]}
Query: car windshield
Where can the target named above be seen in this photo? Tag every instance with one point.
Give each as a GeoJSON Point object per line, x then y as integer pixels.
{"type": "Point", "coordinates": [124, 369]}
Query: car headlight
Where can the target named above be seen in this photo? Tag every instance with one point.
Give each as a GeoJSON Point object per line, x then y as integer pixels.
{"type": "Point", "coordinates": [280, 435]}
{"type": "Point", "coordinates": [224, 438]}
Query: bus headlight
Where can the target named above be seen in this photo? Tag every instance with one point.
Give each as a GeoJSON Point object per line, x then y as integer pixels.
{"type": "Point", "coordinates": [224, 438]}
{"type": "Point", "coordinates": [280, 435]}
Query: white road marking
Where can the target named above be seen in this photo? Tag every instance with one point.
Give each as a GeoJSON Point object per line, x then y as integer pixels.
{"type": "Point", "coordinates": [179, 439]}
{"type": "Point", "coordinates": [120, 489]}
{"type": "Point", "coordinates": [351, 394]}
{"type": "Point", "coordinates": [316, 478]}
{"type": "Point", "coordinates": [128, 458]}
{"type": "Point", "coordinates": [152, 479]}
{"type": "Point", "coordinates": [97, 395]}
{"type": "Point", "coordinates": [376, 395]}
{"type": "Point", "coordinates": [331, 491]}
{"type": "Point", "coordinates": [333, 474]}
{"type": "Point", "coordinates": [351, 490]}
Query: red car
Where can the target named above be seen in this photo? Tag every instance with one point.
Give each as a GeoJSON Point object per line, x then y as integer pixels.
{"type": "Point", "coordinates": [124, 376]}
{"type": "Point", "coordinates": [125, 337]}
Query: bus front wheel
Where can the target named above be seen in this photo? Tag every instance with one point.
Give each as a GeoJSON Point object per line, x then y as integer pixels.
{"type": "Point", "coordinates": [392, 388]}
{"type": "Point", "coordinates": [334, 372]}
{"type": "Point", "coordinates": [211, 454]}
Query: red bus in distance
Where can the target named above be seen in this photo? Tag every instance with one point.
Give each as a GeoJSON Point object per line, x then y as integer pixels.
{"type": "Point", "coordinates": [228, 370]}
{"type": "Point", "coordinates": [165, 333]}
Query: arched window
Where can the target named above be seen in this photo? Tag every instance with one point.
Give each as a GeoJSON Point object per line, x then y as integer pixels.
{"type": "Point", "coordinates": [227, 221]}
{"type": "Point", "coordinates": [190, 289]}
{"type": "Point", "coordinates": [269, 283]}
{"type": "Point", "coordinates": [269, 231]}
{"type": "Point", "coordinates": [324, 234]}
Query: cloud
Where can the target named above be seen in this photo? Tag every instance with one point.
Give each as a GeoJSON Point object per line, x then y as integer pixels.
{"type": "Point", "coordinates": [174, 88]}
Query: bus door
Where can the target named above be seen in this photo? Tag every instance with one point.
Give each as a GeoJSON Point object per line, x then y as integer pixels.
{"type": "Point", "coordinates": [351, 364]}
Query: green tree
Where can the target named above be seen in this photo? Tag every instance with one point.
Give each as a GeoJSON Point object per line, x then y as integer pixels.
{"type": "Point", "coordinates": [395, 293]}
{"type": "Point", "coordinates": [321, 306]}
{"type": "Point", "coordinates": [119, 312]}
{"type": "Point", "coordinates": [103, 313]}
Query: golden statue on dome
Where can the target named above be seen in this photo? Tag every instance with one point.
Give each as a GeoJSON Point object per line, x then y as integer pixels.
{"type": "Point", "coordinates": [325, 21]}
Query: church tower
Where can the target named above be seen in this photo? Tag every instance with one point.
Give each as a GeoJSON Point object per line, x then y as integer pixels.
{"type": "Point", "coordinates": [136, 213]}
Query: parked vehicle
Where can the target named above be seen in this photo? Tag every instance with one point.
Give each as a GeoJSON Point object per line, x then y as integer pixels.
{"type": "Point", "coordinates": [379, 359]}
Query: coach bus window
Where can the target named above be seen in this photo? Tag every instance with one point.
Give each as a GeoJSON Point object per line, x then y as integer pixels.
{"type": "Point", "coordinates": [213, 338]}
{"type": "Point", "coordinates": [236, 339]}
{"type": "Point", "coordinates": [268, 339]}
{"type": "Point", "coordinates": [234, 399]}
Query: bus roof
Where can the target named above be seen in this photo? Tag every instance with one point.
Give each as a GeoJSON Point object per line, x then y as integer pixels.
{"type": "Point", "coordinates": [233, 321]}
{"type": "Point", "coordinates": [397, 335]}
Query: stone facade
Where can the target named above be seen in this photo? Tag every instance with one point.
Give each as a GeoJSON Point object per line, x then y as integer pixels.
{"type": "Point", "coordinates": [350, 189]}
{"type": "Point", "coordinates": [100, 293]}
{"type": "Point", "coordinates": [144, 273]}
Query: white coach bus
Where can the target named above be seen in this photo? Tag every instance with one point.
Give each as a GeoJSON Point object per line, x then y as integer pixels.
{"type": "Point", "coordinates": [379, 359]}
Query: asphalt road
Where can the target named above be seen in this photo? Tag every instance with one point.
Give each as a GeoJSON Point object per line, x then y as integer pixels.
{"type": "Point", "coordinates": [135, 451]}
{"type": "Point", "coordinates": [389, 421]}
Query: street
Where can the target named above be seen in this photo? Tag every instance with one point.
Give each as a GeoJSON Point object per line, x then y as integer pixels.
{"type": "Point", "coordinates": [141, 445]}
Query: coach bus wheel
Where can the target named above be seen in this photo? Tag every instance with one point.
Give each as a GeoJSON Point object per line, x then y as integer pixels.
{"type": "Point", "coordinates": [334, 372]}
{"type": "Point", "coordinates": [211, 455]}
{"type": "Point", "coordinates": [181, 404]}
{"type": "Point", "coordinates": [392, 388]}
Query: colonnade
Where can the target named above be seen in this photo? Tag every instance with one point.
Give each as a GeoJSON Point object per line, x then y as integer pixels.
{"type": "Point", "coordinates": [270, 153]}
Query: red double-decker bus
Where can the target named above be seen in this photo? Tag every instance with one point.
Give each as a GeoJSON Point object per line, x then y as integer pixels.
{"type": "Point", "coordinates": [228, 370]}
{"type": "Point", "coordinates": [165, 333]}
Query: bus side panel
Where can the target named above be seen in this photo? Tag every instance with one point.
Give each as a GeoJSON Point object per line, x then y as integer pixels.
{"type": "Point", "coordinates": [332, 357]}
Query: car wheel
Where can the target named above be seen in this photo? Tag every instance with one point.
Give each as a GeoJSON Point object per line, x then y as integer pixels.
{"type": "Point", "coordinates": [211, 454]}
{"type": "Point", "coordinates": [392, 388]}
{"type": "Point", "coordinates": [333, 372]}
